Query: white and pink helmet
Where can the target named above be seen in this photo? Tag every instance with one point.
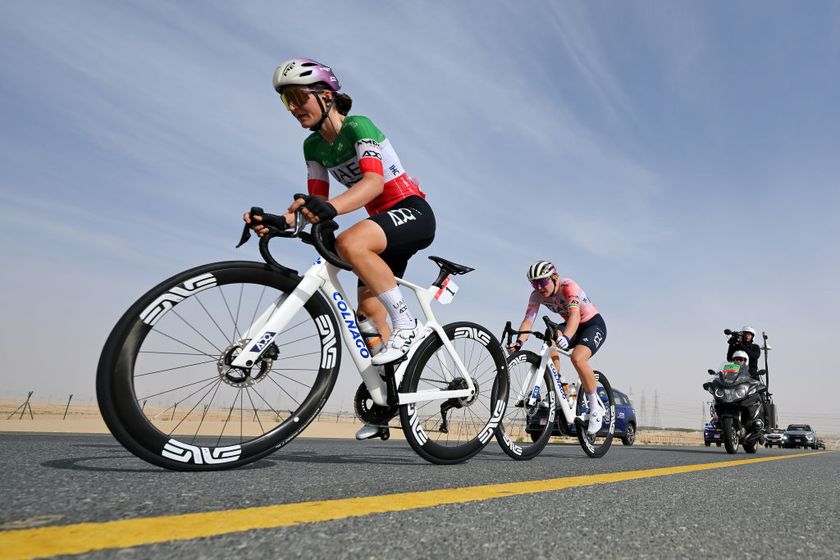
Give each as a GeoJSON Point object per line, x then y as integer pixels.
{"type": "Point", "coordinates": [304, 72]}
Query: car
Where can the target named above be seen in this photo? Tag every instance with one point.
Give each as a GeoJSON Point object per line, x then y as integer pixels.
{"type": "Point", "coordinates": [625, 420]}
{"type": "Point", "coordinates": [800, 435]}
{"type": "Point", "coordinates": [712, 434]}
{"type": "Point", "coordinates": [774, 438]}
{"type": "Point", "coordinates": [820, 444]}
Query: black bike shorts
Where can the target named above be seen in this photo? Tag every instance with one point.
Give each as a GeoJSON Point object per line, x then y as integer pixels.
{"type": "Point", "coordinates": [591, 334]}
{"type": "Point", "coordinates": [409, 226]}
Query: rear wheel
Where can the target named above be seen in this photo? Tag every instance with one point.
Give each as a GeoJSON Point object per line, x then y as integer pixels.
{"type": "Point", "coordinates": [524, 422]}
{"type": "Point", "coordinates": [449, 431]}
{"type": "Point", "coordinates": [730, 435]}
{"type": "Point", "coordinates": [165, 384]}
{"type": "Point", "coordinates": [597, 445]}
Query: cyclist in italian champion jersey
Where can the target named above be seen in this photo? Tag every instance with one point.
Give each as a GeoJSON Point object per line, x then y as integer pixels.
{"type": "Point", "coordinates": [356, 154]}
{"type": "Point", "coordinates": [584, 330]}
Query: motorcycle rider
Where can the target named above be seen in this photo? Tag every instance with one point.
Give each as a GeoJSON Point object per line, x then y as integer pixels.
{"type": "Point", "coordinates": [743, 341]}
{"type": "Point", "coordinates": [755, 423]}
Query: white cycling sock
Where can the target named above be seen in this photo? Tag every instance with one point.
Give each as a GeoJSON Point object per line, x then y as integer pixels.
{"type": "Point", "coordinates": [394, 302]}
{"type": "Point", "coordinates": [593, 401]}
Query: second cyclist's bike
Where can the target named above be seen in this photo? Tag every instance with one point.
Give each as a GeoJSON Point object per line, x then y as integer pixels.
{"type": "Point", "coordinates": [538, 392]}
{"type": "Point", "coordinates": [225, 363]}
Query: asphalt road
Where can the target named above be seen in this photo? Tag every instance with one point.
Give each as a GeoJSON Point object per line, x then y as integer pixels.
{"type": "Point", "coordinates": [773, 509]}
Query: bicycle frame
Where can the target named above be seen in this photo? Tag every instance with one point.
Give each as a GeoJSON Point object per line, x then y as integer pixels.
{"type": "Point", "coordinates": [531, 387]}
{"type": "Point", "coordinates": [323, 277]}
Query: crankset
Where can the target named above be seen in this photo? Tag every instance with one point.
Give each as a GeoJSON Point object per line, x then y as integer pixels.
{"type": "Point", "coordinates": [370, 412]}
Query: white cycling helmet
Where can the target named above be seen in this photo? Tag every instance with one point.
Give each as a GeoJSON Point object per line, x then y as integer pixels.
{"type": "Point", "coordinates": [741, 354]}
{"type": "Point", "coordinates": [304, 72]}
{"type": "Point", "coordinates": [748, 329]}
{"type": "Point", "coordinates": [541, 269]}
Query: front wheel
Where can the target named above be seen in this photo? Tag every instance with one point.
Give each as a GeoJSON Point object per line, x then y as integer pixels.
{"type": "Point", "coordinates": [166, 386]}
{"type": "Point", "coordinates": [525, 422]}
{"type": "Point", "coordinates": [597, 445]}
{"type": "Point", "coordinates": [730, 435]}
{"type": "Point", "coordinates": [449, 431]}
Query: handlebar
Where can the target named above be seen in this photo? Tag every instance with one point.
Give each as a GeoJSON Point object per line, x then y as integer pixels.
{"type": "Point", "coordinates": [321, 236]}
{"type": "Point", "coordinates": [549, 335]}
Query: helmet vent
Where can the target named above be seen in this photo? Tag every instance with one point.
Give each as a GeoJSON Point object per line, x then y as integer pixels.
{"type": "Point", "coordinates": [309, 64]}
{"type": "Point", "coordinates": [302, 74]}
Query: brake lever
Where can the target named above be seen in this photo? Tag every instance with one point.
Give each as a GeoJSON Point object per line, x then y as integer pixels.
{"type": "Point", "coordinates": [246, 230]}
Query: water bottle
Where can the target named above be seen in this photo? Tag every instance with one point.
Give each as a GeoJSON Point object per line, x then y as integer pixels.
{"type": "Point", "coordinates": [374, 342]}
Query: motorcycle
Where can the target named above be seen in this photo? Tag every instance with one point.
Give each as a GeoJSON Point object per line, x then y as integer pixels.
{"type": "Point", "coordinates": [740, 405]}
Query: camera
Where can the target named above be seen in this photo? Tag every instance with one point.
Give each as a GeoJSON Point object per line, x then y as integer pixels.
{"type": "Point", "coordinates": [734, 336]}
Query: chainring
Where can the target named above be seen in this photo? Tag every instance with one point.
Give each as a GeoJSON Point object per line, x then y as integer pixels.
{"type": "Point", "coordinates": [370, 412]}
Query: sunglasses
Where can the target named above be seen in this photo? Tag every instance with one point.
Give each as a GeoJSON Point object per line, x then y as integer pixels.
{"type": "Point", "coordinates": [540, 283]}
{"type": "Point", "coordinates": [297, 95]}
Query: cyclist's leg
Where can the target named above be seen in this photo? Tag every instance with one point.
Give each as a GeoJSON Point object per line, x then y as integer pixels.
{"type": "Point", "coordinates": [407, 227]}
{"type": "Point", "coordinates": [372, 308]}
{"type": "Point", "coordinates": [586, 342]}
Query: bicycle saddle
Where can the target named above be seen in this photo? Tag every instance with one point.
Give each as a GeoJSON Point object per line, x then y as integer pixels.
{"type": "Point", "coordinates": [450, 267]}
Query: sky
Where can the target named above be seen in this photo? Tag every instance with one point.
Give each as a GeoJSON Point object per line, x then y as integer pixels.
{"type": "Point", "coordinates": [678, 160]}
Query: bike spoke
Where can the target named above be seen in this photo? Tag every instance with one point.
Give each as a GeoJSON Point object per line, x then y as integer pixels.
{"type": "Point", "coordinates": [227, 419]}
{"type": "Point", "coordinates": [285, 391]}
{"type": "Point", "coordinates": [295, 341]}
{"type": "Point", "coordinates": [257, 307]}
{"type": "Point", "coordinates": [174, 368]}
{"type": "Point", "coordinates": [147, 397]}
{"type": "Point", "coordinates": [256, 414]}
{"type": "Point", "coordinates": [172, 431]}
{"type": "Point", "coordinates": [210, 316]}
{"type": "Point", "coordinates": [291, 379]}
{"type": "Point", "coordinates": [175, 311]}
{"type": "Point", "coordinates": [183, 343]}
{"type": "Point", "coordinates": [173, 353]}
{"type": "Point", "coordinates": [206, 410]}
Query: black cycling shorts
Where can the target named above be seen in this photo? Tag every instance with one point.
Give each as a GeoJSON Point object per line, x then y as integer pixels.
{"type": "Point", "coordinates": [591, 334]}
{"type": "Point", "coordinates": [409, 226]}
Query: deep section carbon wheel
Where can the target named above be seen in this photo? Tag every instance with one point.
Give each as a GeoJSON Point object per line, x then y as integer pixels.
{"type": "Point", "coordinates": [527, 425]}
{"type": "Point", "coordinates": [165, 384]}
{"type": "Point", "coordinates": [597, 445]}
{"type": "Point", "coordinates": [448, 431]}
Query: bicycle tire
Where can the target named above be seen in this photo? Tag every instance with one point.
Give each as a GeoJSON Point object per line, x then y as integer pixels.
{"type": "Point", "coordinates": [166, 304]}
{"type": "Point", "coordinates": [516, 433]}
{"type": "Point", "coordinates": [591, 446]}
{"type": "Point", "coordinates": [473, 431]}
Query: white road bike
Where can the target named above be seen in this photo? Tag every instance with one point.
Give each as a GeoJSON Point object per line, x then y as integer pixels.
{"type": "Point", "coordinates": [225, 363]}
{"type": "Point", "coordinates": [538, 391]}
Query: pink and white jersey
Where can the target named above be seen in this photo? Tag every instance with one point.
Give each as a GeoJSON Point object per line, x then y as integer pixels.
{"type": "Point", "coordinates": [569, 296]}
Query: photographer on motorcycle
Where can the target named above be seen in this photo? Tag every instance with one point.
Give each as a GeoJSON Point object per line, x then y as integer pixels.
{"type": "Point", "coordinates": [743, 341]}
{"type": "Point", "coordinates": [755, 422]}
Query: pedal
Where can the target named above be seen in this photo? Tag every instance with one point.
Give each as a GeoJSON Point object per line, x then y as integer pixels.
{"type": "Point", "coordinates": [384, 433]}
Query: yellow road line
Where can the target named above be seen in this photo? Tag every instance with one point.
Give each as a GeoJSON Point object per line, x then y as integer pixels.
{"type": "Point", "coordinates": [87, 537]}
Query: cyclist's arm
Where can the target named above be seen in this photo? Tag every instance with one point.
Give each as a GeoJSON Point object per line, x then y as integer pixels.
{"type": "Point", "coordinates": [525, 326]}
{"type": "Point", "coordinates": [369, 187]}
{"type": "Point", "coordinates": [530, 316]}
{"type": "Point", "coordinates": [572, 322]}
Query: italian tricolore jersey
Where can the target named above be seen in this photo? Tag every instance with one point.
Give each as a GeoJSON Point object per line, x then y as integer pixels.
{"type": "Point", "coordinates": [359, 148]}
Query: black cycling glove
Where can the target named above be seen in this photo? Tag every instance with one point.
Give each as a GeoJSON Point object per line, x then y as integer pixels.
{"type": "Point", "coordinates": [321, 208]}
